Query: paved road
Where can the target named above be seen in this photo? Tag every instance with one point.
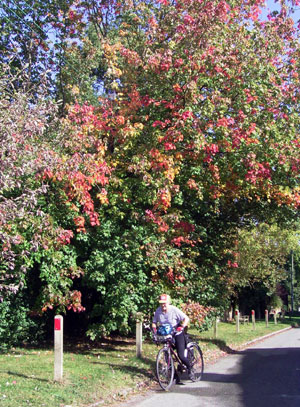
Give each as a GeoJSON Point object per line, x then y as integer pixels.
{"type": "Point", "coordinates": [267, 374]}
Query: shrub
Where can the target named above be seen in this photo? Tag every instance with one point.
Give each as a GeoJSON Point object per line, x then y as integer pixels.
{"type": "Point", "coordinates": [16, 325]}
{"type": "Point", "coordinates": [200, 316]}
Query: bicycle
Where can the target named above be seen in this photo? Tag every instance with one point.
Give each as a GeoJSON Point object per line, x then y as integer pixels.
{"type": "Point", "coordinates": [168, 362]}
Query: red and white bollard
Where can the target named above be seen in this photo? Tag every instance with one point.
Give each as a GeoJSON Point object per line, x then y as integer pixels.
{"type": "Point", "coordinates": [253, 319]}
{"type": "Point", "coordinates": [58, 348]}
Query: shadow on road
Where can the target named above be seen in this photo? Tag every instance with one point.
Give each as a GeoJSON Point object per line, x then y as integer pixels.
{"type": "Point", "coordinates": [220, 344]}
{"type": "Point", "coordinates": [264, 378]}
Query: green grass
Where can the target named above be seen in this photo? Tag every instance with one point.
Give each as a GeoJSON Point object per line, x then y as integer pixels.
{"type": "Point", "coordinates": [106, 373]}
{"type": "Point", "coordinates": [228, 339]}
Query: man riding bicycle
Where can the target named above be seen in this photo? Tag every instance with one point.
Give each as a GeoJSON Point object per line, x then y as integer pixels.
{"type": "Point", "coordinates": [169, 314]}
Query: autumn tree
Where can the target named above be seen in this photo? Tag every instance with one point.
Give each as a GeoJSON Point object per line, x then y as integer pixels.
{"type": "Point", "coordinates": [201, 134]}
{"type": "Point", "coordinates": [36, 266]}
{"type": "Point", "coordinates": [181, 128]}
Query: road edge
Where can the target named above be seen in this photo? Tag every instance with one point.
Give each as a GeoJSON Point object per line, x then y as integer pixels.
{"type": "Point", "coordinates": [261, 338]}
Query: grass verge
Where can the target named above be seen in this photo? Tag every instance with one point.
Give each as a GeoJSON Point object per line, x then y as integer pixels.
{"type": "Point", "coordinates": [106, 373]}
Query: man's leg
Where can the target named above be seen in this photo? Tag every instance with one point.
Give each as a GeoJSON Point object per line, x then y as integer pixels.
{"type": "Point", "coordinates": [180, 347]}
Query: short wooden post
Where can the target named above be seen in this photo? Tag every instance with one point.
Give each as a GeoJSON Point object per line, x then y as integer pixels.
{"type": "Point", "coordinates": [58, 348]}
{"type": "Point", "coordinates": [216, 327]}
{"type": "Point", "coordinates": [267, 317]}
{"type": "Point", "coordinates": [237, 321]}
{"type": "Point", "coordinates": [275, 318]}
{"type": "Point", "coordinates": [253, 319]}
{"type": "Point", "coordinates": [139, 334]}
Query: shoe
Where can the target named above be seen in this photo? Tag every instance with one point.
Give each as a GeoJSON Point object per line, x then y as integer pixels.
{"type": "Point", "coordinates": [176, 379]}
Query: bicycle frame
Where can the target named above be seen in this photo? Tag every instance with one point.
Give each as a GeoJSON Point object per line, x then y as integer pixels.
{"type": "Point", "coordinates": [170, 346]}
{"type": "Point", "coordinates": [174, 354]}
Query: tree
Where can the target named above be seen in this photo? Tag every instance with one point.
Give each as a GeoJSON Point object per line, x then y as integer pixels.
{"type": "Point", "coordinates": [261, 255]}
{"type": "Point", "coordinates": [200, 134]}
{"type": "Point", "coordinates": [193, 137]}
{"type": "Point", "coordinates": [31, 237]}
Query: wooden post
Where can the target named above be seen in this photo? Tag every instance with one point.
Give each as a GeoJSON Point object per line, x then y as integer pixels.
{"type": "Point", "coordinates": [253, 319]}
{"type": "Point", "coordinates": [216, 328]}
{"type": "Point", "coordinates": [58, 348]}
{"type": "Point", "coordinates": [237, 321]}
{"type": "Point", "coordinates": [267, 317]}
{"type": "Point", "coordinates": [275, 318]}
{"type": "Point", "coordinates": [139, 334]}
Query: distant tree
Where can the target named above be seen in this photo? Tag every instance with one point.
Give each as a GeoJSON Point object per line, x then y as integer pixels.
{"type": "Point", "coordinates": [261, 255]}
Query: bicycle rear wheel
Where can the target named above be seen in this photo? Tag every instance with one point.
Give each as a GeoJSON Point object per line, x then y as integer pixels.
{"type": "Point", "coordinates": [195, 357]}
{"type": "Point", "coordinates": [165, 369]}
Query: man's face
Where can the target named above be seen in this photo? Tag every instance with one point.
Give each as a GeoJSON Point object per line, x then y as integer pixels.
{"type": "Point", "coordinates": [164, 306]}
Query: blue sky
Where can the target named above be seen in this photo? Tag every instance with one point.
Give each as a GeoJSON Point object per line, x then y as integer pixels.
{"type": "Point", "coordinates": [272, 5]}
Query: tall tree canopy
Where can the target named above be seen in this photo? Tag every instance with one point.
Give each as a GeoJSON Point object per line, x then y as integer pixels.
{"type": "Point", "coordinates": [180, 127]}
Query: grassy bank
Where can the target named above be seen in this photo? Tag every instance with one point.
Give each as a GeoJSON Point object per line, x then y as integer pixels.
{"type": "Point", "coordinates": [106, 373]}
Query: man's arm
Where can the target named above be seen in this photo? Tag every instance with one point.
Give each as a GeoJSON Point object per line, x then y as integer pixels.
{"type": "Point", "coordinates": [185, 322]}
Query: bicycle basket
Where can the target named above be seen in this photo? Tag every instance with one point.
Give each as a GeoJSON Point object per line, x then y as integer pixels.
{"type": "Point", "coordinates": [165, 329]}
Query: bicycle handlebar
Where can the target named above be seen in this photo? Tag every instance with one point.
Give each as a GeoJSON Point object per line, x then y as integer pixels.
{"type": "Point", "coordinates": [158, 338]}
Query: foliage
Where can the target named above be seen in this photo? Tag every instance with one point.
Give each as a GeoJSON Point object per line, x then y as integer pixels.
{"type": "Point", "coordinates": [198, 137]}
{"type": "Point", "coordinates": [200, 317]}
{"type": "Point", "coordinates": [15, 326]}
{"type": "Point", "coordinates": [30, 235]}
{"type": "Point", "coordinates": [276, 302]}
{"type": "Point", "coordinates": [25, 228]}
{"type": "Point", "coordinates": [32, 38]}
{"type": "Point", "coordinates": [261, 254]}
{"type": "Point", "coordinates": [291, 286]}
{"type": "Point", "coordinates": [179, 130]}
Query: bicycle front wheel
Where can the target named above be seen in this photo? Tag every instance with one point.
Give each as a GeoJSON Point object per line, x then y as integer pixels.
{"type": "Point", "coordinates": [165, 369]}
{"type": "Point", "coordinates": [195, 357]}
